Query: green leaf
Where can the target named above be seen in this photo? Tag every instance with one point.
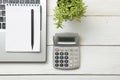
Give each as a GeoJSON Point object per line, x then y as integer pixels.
{"type": "Point", "coordinates": [68, 11]}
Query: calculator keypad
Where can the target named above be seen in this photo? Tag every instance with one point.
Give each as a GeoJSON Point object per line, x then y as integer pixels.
{"type": "Point", "coordinates": [66, 57]}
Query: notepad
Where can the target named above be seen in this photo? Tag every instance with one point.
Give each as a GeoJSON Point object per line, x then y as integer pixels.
{"type": "Point", "coordinates": [23, 28]}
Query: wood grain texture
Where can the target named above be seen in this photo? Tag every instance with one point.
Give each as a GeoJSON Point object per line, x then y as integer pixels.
{"type": "Point", "coordinates": [59, 78]}
{"type": "Point", "coordinates": [93, 30]}
{"type": "Point", "coordinates": [95, 7]}
{"type": "Point", "coordinates": [93, 60]}
{"type": "Point", "coordinates": [100, 27]}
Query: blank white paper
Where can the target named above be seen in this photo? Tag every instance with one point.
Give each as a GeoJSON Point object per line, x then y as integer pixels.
{"type": "Point", "coordinates": [18, 28]}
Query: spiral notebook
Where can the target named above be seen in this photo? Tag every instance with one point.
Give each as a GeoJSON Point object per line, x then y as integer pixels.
{"type": "Point", "coordinates": [23, 28]}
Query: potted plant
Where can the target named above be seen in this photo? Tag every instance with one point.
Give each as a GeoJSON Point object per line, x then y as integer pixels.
{"type": "Point", "coordinates": [68, 10]}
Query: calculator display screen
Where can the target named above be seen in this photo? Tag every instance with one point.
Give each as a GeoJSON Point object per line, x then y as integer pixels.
{"type": "Point", "coordinates": [66, 39]}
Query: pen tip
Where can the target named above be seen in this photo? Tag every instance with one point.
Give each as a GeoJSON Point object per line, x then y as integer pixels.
{"type": "Point", "coordinates": [32, 47]}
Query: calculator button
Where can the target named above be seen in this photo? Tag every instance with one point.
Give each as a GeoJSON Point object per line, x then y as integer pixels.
{"type": "Point", "coordinates": [61, 53]}
{"type": "Point", "coordinates": [61, 57]}
{"type": "Point", "coordinates": [61, 49]}
{"type": "Point", "coordinates": [61, 65]}
{"type": "Point", "coordinates": [70, 62]}
{"type": "Point", "coordinates": [66, 57]}
{"type": "Point", "coordinates": [56, 57]}
{"type": "Point", "coordinates": [56, 65]}
{"type": "Point", "coordinates": [76, 65]}
{"type": "Point", "coordinates": [70, 54]}
{"type": "Point", "coordinates": [76, 54]}
{"type": "Point", "coordinates": [56, 61]}
{"type": "Point", "coordinates": [56, 53]}
{"type": "Point", "coordinates": [66, 65]}
{"type": "Point", "coordinates": [66, 50]}
{"type": "Point", "coordinates": [66, 61]}
{"type": "Point", "coordinates": [66, 53]}
{"type": "Point", "coordinates": [76, 58]}
{"type": "Point", "coordinates": [70, 58]}
{"type": "Point", "coordinates": [56, 49]}
{"type": "Point", "coordinates": [75, 61]}
{"type": "Point", "coordinates": [61, 61]}
{"type": "Point", "coordinates": [70, 65]}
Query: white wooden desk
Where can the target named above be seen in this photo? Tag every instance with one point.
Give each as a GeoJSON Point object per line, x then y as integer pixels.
{"type": "Point", "coordinates": [99, 46]}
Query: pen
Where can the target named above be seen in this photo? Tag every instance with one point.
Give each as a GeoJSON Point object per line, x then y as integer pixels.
{"type": "Point", "coordinates": [32, 28]}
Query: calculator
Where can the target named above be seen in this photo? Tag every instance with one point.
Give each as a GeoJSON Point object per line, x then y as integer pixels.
{"type": "Point", "coordinates": [66, 53]}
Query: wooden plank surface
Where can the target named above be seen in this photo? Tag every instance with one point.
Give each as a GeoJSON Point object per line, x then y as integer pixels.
{"type": "Point", "coordinates": [100, 27]}
{"type": "Point", "coordinates": [93, 30]}
{"type": "Point", "coordinates": [59, 78]}
{"type": "Point", "coordinates": [93, 60]}
{"type": "Point", "coordinates": [95, 7]}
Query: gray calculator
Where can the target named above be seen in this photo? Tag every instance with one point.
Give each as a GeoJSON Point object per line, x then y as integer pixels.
{"type": "Point", "coordinates": [66, 51]}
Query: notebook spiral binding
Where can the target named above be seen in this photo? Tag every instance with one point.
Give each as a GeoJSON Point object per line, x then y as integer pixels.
{"type": "Point", "coordinates": [16, 4]}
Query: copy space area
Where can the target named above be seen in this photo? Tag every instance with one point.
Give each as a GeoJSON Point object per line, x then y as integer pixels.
{"type": "Point", "coordinates": [99, 45]}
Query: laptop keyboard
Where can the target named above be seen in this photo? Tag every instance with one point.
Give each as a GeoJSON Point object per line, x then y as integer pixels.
{"type": "Point", "coordinates": [2, 9]}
